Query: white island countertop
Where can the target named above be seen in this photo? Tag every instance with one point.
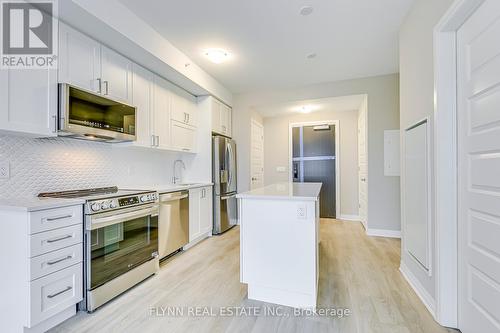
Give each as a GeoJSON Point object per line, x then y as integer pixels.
{"type": "Point", "coordinates": [30, 204]}
{"type": "Point", "coordinates": [285, 191]}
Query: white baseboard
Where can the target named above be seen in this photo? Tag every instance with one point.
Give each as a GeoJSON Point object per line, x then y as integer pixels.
{"type": "Point", "coordinates": [424, 296]}
{"type": "Point", "coordinates": [383, 233]}
{"type": "Point", "coordinates": [345, 217]}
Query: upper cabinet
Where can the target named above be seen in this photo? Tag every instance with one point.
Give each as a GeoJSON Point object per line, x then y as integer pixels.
{"type": "Point", "coordinates": [28, 101]}
{"type": "Point", "coordinates": [221, 118]}
{"type": "Point", "coordinates": [87, 64]}
{"type": "Point", "coordinates": [142, 99]}
{"type": "Point", "coordinates": [161, 113]}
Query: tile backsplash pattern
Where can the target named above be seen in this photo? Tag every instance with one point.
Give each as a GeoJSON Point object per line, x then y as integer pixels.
{"type": "Point", "coordinates": [54, 164]}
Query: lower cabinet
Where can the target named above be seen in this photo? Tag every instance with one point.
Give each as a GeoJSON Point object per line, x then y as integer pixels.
{"type": "Point", "coordinates": [44, 279]}
{"type": "Point", "coordinates": [200, 212]}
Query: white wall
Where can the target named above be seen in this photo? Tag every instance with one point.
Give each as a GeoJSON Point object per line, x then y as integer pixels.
{"type": "Point", "coordinates": [276, 133]}
{"type": "Point", "coordinates": [417, 96]}
{"type": "Point", "coordinates": [383, 114]}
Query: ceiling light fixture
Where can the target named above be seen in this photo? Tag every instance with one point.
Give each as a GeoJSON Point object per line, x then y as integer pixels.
{"type": "Point", "coordinates": [306, 10]}
{"type": "Point", "coordinates": [306, 109]}
{"type": "Point", "coordinates": [217, 56]}
{"type": "Point", "coordinates": [311, 55]}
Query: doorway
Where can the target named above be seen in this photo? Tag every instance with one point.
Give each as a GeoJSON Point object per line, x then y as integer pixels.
{"type": "Point", "coordinates": [313, 158]}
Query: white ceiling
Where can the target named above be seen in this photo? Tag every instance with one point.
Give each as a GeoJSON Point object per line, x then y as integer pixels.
{"type": "Point", "coordinates": [331, 104]}
{"type": "Point", "coordinates": [270, 41]}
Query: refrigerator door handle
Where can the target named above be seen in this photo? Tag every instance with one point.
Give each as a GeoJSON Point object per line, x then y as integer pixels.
{"type": "Point", "coordinates": [230, 165]}
{"type": "Point", "coordinates": [227, 197]}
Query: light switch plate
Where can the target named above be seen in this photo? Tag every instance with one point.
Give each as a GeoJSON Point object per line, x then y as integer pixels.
{"type": "Point", "coordinates": [4, 170]}
{"type": "Point", "coordinates": [301, 212]}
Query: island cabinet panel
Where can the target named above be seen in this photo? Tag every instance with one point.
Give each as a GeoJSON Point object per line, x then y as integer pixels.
{"type": "Point", "coordinates": [279, 250]}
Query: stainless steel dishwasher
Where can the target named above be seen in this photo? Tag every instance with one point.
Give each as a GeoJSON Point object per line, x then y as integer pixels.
{"type": "Point", "coordinates": [173, 226]}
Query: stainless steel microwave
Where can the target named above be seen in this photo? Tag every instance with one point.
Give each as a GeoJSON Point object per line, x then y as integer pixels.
{"type": "Point", "coordinates": [86, 115]}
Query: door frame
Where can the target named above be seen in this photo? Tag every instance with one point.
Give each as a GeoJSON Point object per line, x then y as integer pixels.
{"type": "Point", "coordinates": [446, 159]}
{"type": "Point", "coordinates": [256, 122]}
{"type": "Point", "coordinates": [336, 124]}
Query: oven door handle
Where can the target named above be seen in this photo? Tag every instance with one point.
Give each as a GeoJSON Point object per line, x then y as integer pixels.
{"type": "Point", "coordinates": [100, 222]}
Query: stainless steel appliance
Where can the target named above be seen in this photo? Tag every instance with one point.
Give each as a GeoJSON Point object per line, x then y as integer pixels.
{"type": "Point", "coordinates": [173, 227]}
{"type": "Point", "coordinates": [224, 179]}
{"type": "Point", "coordinates": [85, 115]}
{"type": "Point", "coordinates": [121, 240]}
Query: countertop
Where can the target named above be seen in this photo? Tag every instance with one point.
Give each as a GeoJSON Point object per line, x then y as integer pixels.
{"type": "Point", "coordinates": [167, 188]}
{"type": "Point", "coordinates": [285, 191]}
{"type": "Point", "coordinates": [30, 204]}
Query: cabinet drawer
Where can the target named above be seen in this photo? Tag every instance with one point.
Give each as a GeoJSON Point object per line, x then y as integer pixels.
{"type": "Point", "coordinates": [56, 260]}
{"type": "Point", "coordinates": [55, 239]}
{"type": "Point", "coordinates": [54, 293]}
{"type": "Point", "coordinates": [49, 219]}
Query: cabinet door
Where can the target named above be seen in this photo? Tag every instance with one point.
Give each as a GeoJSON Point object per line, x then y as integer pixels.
{"type": "Point", "coordinates": [29, 101]}
{"type": "Point", "coordinates": [194, 213]}
{"type": "Point", "coordinates": [161, 114]}
{"type": "Point", "coordinates": [116, 75]}
{"type": "Point", "coordinates": [226, 119]}
{"type": "Point", "coordinates": [183, 137]}
{"type": "Point", "coordinates": [206, 210]}
{"type": "Point", "coordinates": [79, 59]}
{"type": "Point", "coordinates": [142, 99]}
{"type": "Point", "coordinates": [216, 116]}
{"type": "Point", "coordinates": [183, 107]}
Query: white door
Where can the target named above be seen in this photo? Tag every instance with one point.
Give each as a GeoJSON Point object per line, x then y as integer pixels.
{"type": "Point", "coordinates": [29, 101]}
{"type": "Point", "coordinates": [257, 155]}
{"type": "Point", "coordinates": [478, 45]}
{"type": "Point", "coordinates": [116, 75]}
{"type": "Point", "coordinates": [362, 166]}
{"type": "Point", "coordinates": [161, 114]}
{"type": "Point", "coordinates": [142, 99]}
{"type": "Point", "coordinates": [79, 59]}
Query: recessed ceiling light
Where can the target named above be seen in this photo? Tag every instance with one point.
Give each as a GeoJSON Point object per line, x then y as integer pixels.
{"type": "Point", "coordinates": [217, 56]}
{"type": "Point", "coordinates": [311, 55]}
{"type": "Point", "coordinates": [306, 109]}
{"type": "Point", "coordinates": [306, 10]}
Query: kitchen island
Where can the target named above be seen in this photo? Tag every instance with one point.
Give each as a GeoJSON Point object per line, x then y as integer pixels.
{"type": "Point", "coordinates": [279, 238]}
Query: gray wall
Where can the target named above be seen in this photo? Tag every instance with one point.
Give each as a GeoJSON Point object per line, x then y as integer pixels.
{"type": "Point", "coordinates": [417, 93]}
{"type": "Point", "coordinates": [383, 113]}
{"type": "Point", "coordinates": [276, 152]}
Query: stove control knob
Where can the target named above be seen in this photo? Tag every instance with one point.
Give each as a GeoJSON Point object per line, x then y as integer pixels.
{"type": "Point", "coordinates": [112, 204]}
{"type": "Point", "coordinates": [104, 205]}
{"type": "Point", "coordinates": [95, 207]}
{"type": "Point", "coordinates": [144, 198]}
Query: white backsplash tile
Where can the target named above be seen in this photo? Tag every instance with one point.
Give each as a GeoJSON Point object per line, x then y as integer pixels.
{"type": "Point", "coordinates": [41, 165]}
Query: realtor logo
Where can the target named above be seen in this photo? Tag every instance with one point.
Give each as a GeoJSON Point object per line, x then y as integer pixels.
{"type": "Point", "coordinates": [28, 34]}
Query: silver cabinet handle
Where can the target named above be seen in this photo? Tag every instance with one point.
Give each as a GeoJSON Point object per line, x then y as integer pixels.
{"type": "Point", "coordinates": [99, 86]}
{"type": "Point", "coordinates": [53, 240]}
{"type": "Point", "coordinates": [51, 219]}
{"type": "Point", "coordinates": [152, 140]}
{"type": "Point", "coordinates": [157, 141]}
{"type": "Point", "coordinates": [189, 118]}
{"type": "Point", "coordinates": [107, 86]}
{"type": "Point", "coordinates": [59, 260]}
{"type": "Point", "coordinates": [60, 292]}
{"type": "Point", "coordinates": [55, 123]}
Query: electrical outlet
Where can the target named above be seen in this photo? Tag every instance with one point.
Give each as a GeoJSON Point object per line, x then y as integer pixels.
{"type": "Point", "coordinates": [4, 170]}
{"type": "Point", "coordinates": [301, 212]}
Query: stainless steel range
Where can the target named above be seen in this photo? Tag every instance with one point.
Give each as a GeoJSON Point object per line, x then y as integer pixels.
{"type": "Point", "coordinates": [121, 240]}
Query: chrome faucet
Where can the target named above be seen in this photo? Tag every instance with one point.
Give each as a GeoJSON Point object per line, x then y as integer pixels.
{"type": "Point", "coordinates": [175, 179]}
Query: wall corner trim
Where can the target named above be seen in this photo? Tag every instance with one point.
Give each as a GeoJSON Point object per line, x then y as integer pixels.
{"type": "Point", "coordinates": [383, 233]}
{"type": "Point", "coordinates": [424, 296]}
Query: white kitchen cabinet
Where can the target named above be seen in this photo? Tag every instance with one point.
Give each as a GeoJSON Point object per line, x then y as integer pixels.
{"type": "Point", "coordinates": [142, 99]}
{"type": "Point", "coordinates": [184, 107]}
{"type": "Point", "coordinates": [183, 137]}
{"type": "Point", "coordinates": [200, 213]}
{"type": "Point", "coordinates": [44, 279]}
{"type": "Point", "coordinates": [87, 64]}
{"type": "Point", "coordinates": [161, 113]}
{"type": "Point", "coordinates": [28, 101]}
{"type": "Point", "coordinates": [116, 75]}
{"type": "Point", "coordinates": [221, 118]}
{"type": "Point", "coordinates": [79, 59]}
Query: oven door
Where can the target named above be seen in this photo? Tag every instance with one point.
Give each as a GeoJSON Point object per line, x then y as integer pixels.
{"type": "Point", "coordinates": [117, 242]}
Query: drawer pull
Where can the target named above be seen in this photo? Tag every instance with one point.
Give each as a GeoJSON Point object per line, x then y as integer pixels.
{"type": "Point", "coordinates": [58, 239]}
{"type": "Point", "coordinates": [50, 219]}
{"type": "Point", "coordinates": [59, 260]}
{"type": "Point", "coordinates": [60, 292]}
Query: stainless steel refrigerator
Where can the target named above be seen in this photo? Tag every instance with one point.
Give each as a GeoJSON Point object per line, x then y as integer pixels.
{"type": "Point", "coordinates": [224, 179]}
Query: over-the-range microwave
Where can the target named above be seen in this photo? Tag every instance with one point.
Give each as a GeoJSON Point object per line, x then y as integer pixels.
{"type": "Point", "coordinates": [85, 115]}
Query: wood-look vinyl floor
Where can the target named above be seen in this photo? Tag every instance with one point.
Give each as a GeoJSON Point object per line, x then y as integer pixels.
{"type": "Point", "coordinates": [356, 272]}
